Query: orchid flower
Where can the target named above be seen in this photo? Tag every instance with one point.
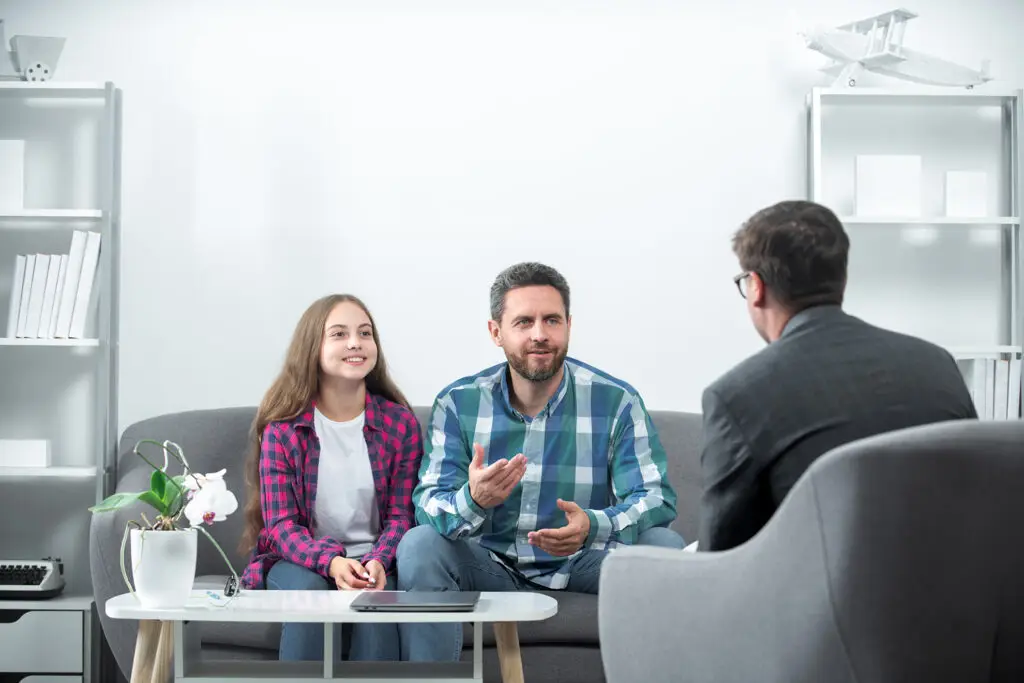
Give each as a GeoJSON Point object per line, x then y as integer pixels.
{"type": "Point", "coordinates": [210, 500]}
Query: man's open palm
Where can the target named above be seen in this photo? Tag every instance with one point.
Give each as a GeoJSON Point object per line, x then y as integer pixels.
{"type": "Point", "coordinates": [491, 485]}
{"type": "Point", "coordinates": [567, 539]}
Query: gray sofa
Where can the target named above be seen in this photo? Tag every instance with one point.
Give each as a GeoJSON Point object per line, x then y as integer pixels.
{"type": "Point", "coordinates": [894, 558]}
{"type": "Point", "coordinates": [563, 649]}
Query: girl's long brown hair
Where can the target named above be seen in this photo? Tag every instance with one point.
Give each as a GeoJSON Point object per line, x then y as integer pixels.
{"type": "Point", "coordinates": [296, 386]}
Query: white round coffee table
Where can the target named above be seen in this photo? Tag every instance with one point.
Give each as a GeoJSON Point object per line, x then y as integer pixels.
{"type": "Point", "coordinates": [164, 636]}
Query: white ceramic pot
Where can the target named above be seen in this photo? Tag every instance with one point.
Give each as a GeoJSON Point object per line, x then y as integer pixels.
{"type": "Point", "coordinates": [163, 566]}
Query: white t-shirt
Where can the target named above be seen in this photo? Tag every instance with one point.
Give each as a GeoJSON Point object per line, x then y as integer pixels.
{"type": "Point", "coordinates": [346, 500]}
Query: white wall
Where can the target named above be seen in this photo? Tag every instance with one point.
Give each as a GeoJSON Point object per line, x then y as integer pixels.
{"type": "Point", "coordinates": [407, 151]}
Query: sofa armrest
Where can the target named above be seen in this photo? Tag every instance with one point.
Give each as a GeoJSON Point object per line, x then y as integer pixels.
{"type": "Point", "coordinates": [759, 612]}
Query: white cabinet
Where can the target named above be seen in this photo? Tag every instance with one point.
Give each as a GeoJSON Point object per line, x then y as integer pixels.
{"type": "Point", "coordinates": [927, 182]}
{"type": "Point", "coordinates": [58, 396]}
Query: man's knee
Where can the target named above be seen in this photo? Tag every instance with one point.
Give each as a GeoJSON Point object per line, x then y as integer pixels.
{"type": "Point", "coordinates": [420, 552]}
{"type": "Point", "coordinates": [663, 537]}
{"type": "Point", "coordinates": [418, 543]}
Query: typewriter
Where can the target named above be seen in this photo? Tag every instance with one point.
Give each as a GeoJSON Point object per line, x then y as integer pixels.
{"type": "Point", "coordinates": [31, 579]}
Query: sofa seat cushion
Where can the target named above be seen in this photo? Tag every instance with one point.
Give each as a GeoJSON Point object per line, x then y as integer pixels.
{"type": "Point", "coordinates": [575, 624]}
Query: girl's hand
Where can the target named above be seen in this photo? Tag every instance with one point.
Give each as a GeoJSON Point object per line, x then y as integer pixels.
{"type": "Point", "coordinates": [378, 578]}
{"type": "Point", "coordinates": [348, 574]}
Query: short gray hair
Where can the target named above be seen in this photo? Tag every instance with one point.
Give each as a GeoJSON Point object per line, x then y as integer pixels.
{"type": "Point", "coordinates": [526, 274]}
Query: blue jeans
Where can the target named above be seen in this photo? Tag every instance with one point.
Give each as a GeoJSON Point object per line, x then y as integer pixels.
{"type": "Point", "coordinates": [429, 561]}
{"type": "Point", "coordinates": [305, 641]}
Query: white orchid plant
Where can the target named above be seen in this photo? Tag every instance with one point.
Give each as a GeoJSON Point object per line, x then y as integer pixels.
{"type": "Point", "coordinates": [202, 499]}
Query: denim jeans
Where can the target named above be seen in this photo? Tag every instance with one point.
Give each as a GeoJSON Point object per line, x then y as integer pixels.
{"type": "Point", "coordinates": [429, 561]}
{"type": "Point", "coordinates": [305, 641]}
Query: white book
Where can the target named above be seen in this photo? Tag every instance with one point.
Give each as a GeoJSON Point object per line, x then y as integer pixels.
{"type": "Point", "coordinates": [977, 385]}
{"type": "Point", "coordinates": [51, 332]}
{"type": "Point", "coordinates": [1013, 393]}
{"type": "Point", "coordinates": [49, 294]}
{"type": "Point", "coordinates": [990, 388]}
{"type": "Point", "coordinates": [35, 299]}
{"type": "Point", "coordinates": [1001, 391]}
{"type": "Point", "coordinates": [83, 297]}
{"type": "Point", "coordinates": [26, 290]}
{"type": "Point", "coordinates": [73, 273]}
{"type": "Point", "coordinates": [16, 286]}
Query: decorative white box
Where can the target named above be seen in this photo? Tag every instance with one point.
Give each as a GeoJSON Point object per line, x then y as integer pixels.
{"type": "Point", "coordinates": [12, 174]}
{"type": "Point", "coordinates": [24, 453]}
{"type": "Point", "coordinates": [966, 194]}
{"type": "Point", "coordinates": [887, 185]}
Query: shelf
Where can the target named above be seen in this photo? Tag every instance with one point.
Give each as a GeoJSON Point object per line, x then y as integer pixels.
{"type": "Point", "coordinates": [982, 351]}
{"type": "Point", "coordinates": [929, 220]}
{"type": "Point", "coordinates": [13, 341]}
{"type": "Point", "coordinates": [52, 89]}
{"type": "Point", "coordinates": [57, 472]}
{"type": "Point", "coordinates": [930, 96]}
{"type": "Point", "coordinates": [90, 214]}
{"type": "Point", "coordinates": [62, 602]}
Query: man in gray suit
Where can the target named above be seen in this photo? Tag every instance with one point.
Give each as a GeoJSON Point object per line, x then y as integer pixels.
{"type": "Point", "coordinates": [826, 378]}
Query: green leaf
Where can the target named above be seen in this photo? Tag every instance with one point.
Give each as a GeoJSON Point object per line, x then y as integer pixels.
{"type": "Point", "coordinates": [116, 502]}
{"type": "Point", "coordinates": [150, 498]}
{"type": "Point", "coordinates": [172, 494]}
{"type": "Point", "coordinates": [158, 483]}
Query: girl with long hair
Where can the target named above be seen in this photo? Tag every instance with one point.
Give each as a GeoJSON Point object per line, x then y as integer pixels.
{"type": "Point", "coordinates": [335, 456]}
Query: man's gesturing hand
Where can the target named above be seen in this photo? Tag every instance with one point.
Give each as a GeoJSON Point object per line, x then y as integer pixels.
{"type": "Point", "coordinates": [491, 485]}
{"type": "Point", "coordinates": [567, 539]}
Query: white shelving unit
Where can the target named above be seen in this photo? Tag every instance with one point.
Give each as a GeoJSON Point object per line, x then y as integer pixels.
{"type": "Point", "coordinates": [61, 390]}
{"type": "Point", "coordinates": [951, 279]}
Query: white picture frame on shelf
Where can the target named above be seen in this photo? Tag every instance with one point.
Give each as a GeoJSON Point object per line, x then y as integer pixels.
{"type": "Point", "coordinates": [967, 194]}
{"type": "Point", "coordinates": [887, 185]}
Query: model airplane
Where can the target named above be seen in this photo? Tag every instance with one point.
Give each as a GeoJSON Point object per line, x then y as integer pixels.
{"type": "Point", "coordinates": [876, 44]}
{"type": "Point", "coordinates": [32, 58]}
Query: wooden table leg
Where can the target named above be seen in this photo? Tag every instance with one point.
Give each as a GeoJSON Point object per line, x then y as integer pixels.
{"type": "Point", "coordinates": [506, 636]}
{"type": "Point", "coordinates": [154, 652]}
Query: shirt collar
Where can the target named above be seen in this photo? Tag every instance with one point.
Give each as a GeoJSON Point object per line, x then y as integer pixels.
{"type": "Point", "coordinates": [553, 402]}
{"type": "Point", "coordinates": [374, 408]}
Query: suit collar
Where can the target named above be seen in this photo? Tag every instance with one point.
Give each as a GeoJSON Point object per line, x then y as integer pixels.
{"type": "Point", "coordinates": [810, 317]}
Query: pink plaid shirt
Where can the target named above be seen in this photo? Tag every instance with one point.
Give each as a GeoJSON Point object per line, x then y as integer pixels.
{"type": "Point", "coordinates": [290, 454]}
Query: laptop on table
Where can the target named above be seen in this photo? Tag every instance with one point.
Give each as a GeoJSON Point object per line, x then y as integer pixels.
{"type": "Point", "coordinates": [416, 601]}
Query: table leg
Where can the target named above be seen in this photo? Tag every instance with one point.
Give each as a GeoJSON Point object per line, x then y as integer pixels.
{"type": "Point", "coordinates": [506, 636]}
{"type": "Point", "coordinates": [154, 652]}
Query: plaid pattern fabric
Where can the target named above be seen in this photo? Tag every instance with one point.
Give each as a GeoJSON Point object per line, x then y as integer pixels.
{"type": "Point", "coordinates": [288, 480]}
{"type": "Point", "coordinates": [594, 444]}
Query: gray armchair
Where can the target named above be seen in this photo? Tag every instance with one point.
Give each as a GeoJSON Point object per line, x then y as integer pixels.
{"type": "Point", "coordinates": [895, 558]}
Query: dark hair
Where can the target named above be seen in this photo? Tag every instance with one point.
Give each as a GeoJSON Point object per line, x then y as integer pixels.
{"type": "Point", "coordinates": [525, 275]}
{"type": "Point", "coordinates": [800, 251]}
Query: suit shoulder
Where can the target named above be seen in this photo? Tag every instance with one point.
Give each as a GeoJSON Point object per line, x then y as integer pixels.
{"type": "Point", "coordinates": [746, 374]}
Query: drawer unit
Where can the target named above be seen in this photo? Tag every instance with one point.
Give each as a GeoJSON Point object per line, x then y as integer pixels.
{"type": "Point", "coordinates": [41, 642]}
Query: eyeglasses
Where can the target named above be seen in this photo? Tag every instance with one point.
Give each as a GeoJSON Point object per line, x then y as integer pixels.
{"type": "Point", "coordinates": [740, 282]}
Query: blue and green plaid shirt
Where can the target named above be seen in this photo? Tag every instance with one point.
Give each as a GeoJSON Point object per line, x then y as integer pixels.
{"type": "Point", "coordinates": [593, 443]}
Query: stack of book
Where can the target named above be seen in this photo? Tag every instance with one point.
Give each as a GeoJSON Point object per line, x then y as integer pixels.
{"type": "Point", "coordinates": [51, 293]}
{"type": "Point", "coordinates": [994, 385]}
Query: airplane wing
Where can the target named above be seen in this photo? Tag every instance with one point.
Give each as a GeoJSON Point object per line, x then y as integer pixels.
{"type": "Point", "coordinates": [865, 25]}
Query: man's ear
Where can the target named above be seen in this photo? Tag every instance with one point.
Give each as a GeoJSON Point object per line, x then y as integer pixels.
{"type": "Point", "coordinates": [495, 331]}
{"type": "Point", "coordinates": [757, 293]}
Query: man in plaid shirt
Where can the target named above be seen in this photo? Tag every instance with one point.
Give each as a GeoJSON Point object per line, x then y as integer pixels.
{"type": "Point", "coordinates": [535, 468]}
